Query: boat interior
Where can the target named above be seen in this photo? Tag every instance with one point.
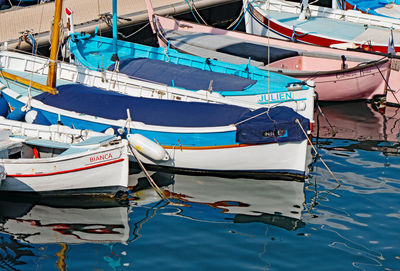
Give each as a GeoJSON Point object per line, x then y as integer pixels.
{"type": "Point", "coordinates": [19, 146]}
{"type": "Point", "coordinates": [239, 51]}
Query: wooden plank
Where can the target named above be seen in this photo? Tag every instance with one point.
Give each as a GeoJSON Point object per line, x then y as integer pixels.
{"type": "Point", "coordinates": [27, 82]}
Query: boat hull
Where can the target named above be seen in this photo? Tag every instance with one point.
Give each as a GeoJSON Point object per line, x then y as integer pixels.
{"type": "Point", "coordinates": [349, 85]}
{"type": "Point", "coordinates": [91, 172]}
{"type": "Point", "coordinates": [268, 161]}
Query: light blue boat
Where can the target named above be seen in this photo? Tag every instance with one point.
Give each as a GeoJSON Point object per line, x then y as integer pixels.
{"type": "Point", "coordinates": [193, 73]}
{"type": "Point", "coordinates": [172, 68]}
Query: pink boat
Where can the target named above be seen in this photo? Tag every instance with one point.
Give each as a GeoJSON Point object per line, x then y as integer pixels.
{"type": "Point", "coordinates": [339, 75]}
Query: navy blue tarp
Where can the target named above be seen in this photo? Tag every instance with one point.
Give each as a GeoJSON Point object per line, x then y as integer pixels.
{"type": "Point", "coordinates": [112, 105]}
{"type": "Point", "coordinates": [182, 76]}
{"type": "Point", "coordinates": [278, 125]}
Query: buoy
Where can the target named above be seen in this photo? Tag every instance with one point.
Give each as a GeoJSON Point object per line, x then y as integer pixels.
{"type": "Point", "coordinates": [109, 131]}
{"type": "Point", "coordinates": [300, 106]}
{"type": "Point", "coordinates": [35, 117]}
{"type": "Point", "coordinates": [148, 147]}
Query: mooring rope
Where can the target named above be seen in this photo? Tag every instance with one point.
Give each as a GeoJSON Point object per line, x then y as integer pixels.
{"type": "Point", "coordinates": [151, 181]}
{"type": "Point", "coordinates": [192, 7]}
{"type": "Point", "coordinates": [134, 33]}
{"type": "Point", "coordinates": [312, 145]}
{"type": "Point", "coordinates": [387, 85]}
{"type": "Point", "coordinates": [250, 118]}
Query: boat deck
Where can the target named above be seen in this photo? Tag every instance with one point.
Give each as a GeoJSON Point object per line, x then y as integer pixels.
{"type": "Point", "coordinates": [347, 26]}
{"type": "Point", "coordinates": [339, 29]}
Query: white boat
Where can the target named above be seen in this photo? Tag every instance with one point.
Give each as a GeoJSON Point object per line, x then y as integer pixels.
{"type": "Point", "coordinates": [185, 137]}
{"type": "Point", "coordinates": [56, 160]}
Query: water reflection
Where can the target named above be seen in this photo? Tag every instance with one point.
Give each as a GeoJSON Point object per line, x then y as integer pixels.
{"type": "Point", "coordinates": [69, 221]}
{"type": "Point", "coordinates": [222, 200]}
{"type": "Point", "coordinates": [370, 129]}
{"type": "Point", "coordinates": [44, 232]}
{"type": "Point", "coordinates": [57, 232]}
{"type": "Point", "coordinates": [358, 121]}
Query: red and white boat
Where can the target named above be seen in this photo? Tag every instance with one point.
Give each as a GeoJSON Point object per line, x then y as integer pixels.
{"type": "Point", "coordinates": [321, 26]}
{"type": "Point", "coordinates": [52, 160]}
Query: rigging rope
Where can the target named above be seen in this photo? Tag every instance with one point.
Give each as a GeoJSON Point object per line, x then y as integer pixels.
{"type": "Point", "coordinates": [315, 150]}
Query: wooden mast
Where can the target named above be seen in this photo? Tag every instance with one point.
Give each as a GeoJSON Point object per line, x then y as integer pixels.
{"type": "Point", "coordinates": [52, 75]}
{"type": "Point", "coordinates": [51, 79]}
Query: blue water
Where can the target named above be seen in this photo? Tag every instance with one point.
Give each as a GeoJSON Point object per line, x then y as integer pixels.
{"type": "Point", "coordinates": [233, 224]}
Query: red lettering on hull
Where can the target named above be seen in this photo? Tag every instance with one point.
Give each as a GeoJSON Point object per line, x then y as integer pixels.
{"type": "Point", "coordinates": [101, 157]}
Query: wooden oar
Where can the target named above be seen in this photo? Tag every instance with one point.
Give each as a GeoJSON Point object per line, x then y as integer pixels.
{"type": "Point", "coordinates": [27, 82]}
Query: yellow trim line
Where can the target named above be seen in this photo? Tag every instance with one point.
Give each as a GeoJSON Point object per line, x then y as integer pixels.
{"type": "Point", "coordinates": [27, 82]}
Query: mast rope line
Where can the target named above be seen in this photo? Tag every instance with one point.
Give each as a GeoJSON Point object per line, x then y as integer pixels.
{"type": "Point", "coordinates": [106, 18]}
{"type": "Point", "coordinates": [241, 15]}
{"type": "Point", "coordinates": [237, 21]}
{"type": "Point", "coordinates": [134, 33]}
{"type": "Point", "coordinates": [128, 125]}
{"type": "Point", "coordinates": [28, 103]}
{"type": "Point", "coordinates": [387, 85]}
{"type": "Point", "coordinates": [250, 118]}
{"type": "Point", "coordinates": [318, 155]}
{"type": "Point", "coordinates": [195, 9]}
{"type": "Point", "coordinates": [194, 15]}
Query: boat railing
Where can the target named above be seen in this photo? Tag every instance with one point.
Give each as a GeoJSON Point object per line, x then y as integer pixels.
{"type": "Point", "coordinates": [52, 132]}
{"type": "Point", "coordinates": [111, 81]}
{"type": "Point", "coordinates": [347, 15]}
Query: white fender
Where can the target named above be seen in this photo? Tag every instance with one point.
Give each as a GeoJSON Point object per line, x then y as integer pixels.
{"type": "Point", "coordinates": [30, 116]}
{"type": "Point", "coordinates": [300, 106]}
{"type": "Point", "coordinates": [148, 147]}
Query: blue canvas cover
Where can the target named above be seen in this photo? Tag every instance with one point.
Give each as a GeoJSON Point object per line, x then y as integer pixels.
{"type": "Point", "coordinates": [112, 105]}
{"type": "Point", "coordinates": [181, 76]}
{"type": "Point", "coordinates": [275, 125]}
